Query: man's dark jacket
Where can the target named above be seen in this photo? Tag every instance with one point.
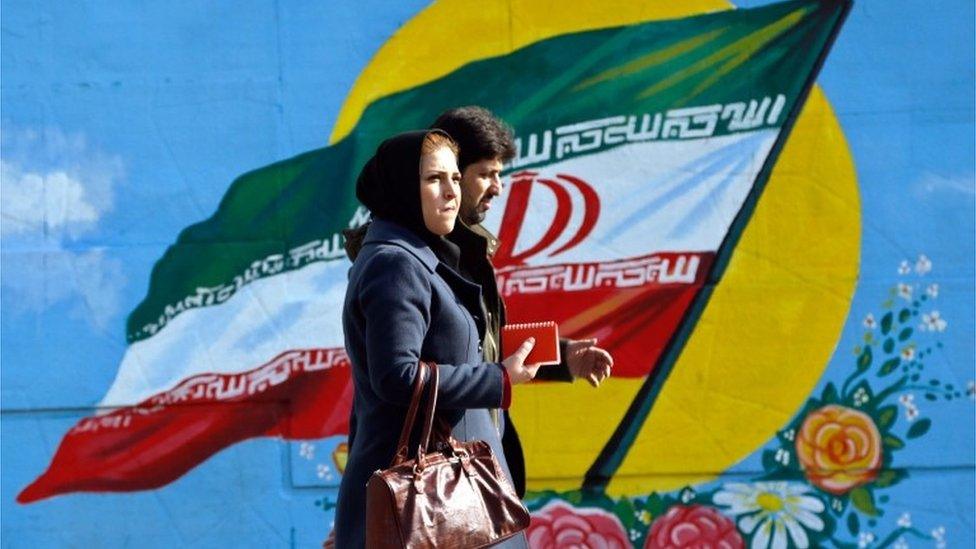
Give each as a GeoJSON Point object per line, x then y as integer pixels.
{"type": "Point", "coordinates": [478, 246]}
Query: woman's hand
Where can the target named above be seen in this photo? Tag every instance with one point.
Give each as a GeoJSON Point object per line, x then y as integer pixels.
{"type": "Point", "coordinates": [518, 371]}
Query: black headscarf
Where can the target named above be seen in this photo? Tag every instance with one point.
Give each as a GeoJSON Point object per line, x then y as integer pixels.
{"type": "Point", "coordinates": [389, 186]}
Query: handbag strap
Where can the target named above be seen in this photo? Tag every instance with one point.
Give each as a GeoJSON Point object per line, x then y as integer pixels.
{"type": "Point", "coordinates": [419, 382]}
{"type": "Point", "coordinates": [433, 380]}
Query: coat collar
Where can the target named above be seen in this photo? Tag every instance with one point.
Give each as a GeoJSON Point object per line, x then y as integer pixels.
{"type": "Point", "coordinates": [386, 232]}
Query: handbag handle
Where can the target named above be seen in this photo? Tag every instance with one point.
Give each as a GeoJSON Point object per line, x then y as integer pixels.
{"type": "Point", "coordinates": [432, 382]}
{"type": "Point", "coordinates": [419, 382]}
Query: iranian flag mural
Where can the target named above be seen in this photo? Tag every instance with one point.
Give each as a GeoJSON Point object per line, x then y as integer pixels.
{"type": "Point", "coordinates": [641, 153]}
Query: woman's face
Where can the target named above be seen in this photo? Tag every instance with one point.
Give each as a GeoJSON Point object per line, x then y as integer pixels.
{"type": "Point", "coordinates": [440, 194]}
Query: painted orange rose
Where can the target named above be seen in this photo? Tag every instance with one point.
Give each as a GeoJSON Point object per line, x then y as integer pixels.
{"type": "Point", "coordinates": [839, 448]}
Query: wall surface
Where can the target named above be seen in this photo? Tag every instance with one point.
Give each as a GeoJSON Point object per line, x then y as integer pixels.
{"type": "Point", "coordinates": [766, 214]}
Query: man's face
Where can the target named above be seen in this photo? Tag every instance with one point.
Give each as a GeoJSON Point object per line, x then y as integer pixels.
{"type": "Point", "coordinates": [480, 183]}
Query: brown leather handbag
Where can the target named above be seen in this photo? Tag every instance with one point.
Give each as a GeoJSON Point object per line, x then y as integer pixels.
{"type": "Point", "coordinates": [450, 494]}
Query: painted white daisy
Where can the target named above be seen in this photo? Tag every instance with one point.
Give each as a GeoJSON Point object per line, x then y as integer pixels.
{"type": "Point", "coordinates": [911, 412]}
{"type": "Point", "coordinates": [904, 291]}
{"type": "Point", "coordinates": [923, 265]}
{"type": "Point", "coordinates": [933, 322]}
{"type": "Point", "coordinates": [869, 322]}
{"type": "Point", "coordinates": [932, 291]}
{"type": "Point", "coordinates": [904, 268]}
{"type": "Point", "coordinates": [323, 471]}
{"type": "Point", "coordinates": [905, 520]}
{"type": "Point", "coordinates": [908, 353]}
{"type": "Point", "coordinates": [773, 512]}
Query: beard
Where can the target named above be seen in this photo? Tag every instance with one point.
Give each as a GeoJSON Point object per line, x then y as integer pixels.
{"type": "Point", "coordinates": [473, 214]}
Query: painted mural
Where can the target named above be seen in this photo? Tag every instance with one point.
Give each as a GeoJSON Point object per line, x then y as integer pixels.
{"type": "Point", "coordinates": [764, 211]}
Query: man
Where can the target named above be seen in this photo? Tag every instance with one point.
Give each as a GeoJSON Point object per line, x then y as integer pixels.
{"type": "Point", "coordinates": [486, 144]}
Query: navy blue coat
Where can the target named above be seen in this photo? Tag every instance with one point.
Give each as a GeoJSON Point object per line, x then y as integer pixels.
{"type": "Point", "coordinates": [403, 305]}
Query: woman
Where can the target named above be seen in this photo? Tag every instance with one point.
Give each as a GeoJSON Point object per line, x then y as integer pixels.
{"type": "Point", "coordinates": [406, 302]}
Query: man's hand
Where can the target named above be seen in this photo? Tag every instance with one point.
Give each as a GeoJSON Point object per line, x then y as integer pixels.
{"type": "Point", "coordinates": [587, 361]}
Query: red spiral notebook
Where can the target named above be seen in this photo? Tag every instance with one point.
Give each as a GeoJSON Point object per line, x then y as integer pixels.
{"type": "Point", "coordinates": [546, 334]}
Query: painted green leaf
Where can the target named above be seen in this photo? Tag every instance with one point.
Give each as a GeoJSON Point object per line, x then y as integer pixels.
{"type": "Point", "coordinates": [886, 323]}
{"type": "Point", "coordinates": [853, 524]}
{"type": "Point", "coordinates": [769, 460]}
{"type": "Point", "coordinates": [624, 510]}
{"type": "Point", "coordinates": [886, 416]}
{"type": "Point", "coordinates": [889, 366]}
{"type": "Point", "coordinates": [893, 442]}
{"type": "Point", "coordinates": [888, 477]}
{"type": "Point", "coordinates": [905, 334]}
{"type": "Point", "coordinates": [889, 345]}
{"type": "Point", "coordinates": [830, 394]}
{"type": "Point", "coordinates": [904, 315]}
{"type": "Point", "coordinates": [864, 361]}
{"type": "Point", "coordinates": [863, 501]}
{"type": "Point", "coordinates": [655, 505]}
{"type": "Point", "coordinates": [919, 428]}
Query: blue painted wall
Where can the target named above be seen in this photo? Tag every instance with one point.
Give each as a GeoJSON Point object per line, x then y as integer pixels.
{"type": "Point", "coordinates": [150, 110]}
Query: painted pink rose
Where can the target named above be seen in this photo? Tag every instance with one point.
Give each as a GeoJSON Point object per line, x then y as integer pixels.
{"type": "Point", "coordinates": [693, 526]}
{"type": "Point", "coordinates": [559, 525]}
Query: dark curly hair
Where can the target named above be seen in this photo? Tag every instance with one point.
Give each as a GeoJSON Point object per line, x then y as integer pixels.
{"type": "Point", "coordinates": [479, 133]}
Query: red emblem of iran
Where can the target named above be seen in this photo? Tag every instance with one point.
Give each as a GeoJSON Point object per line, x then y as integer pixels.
{"type": "Point", "coordinates": [553, 240]}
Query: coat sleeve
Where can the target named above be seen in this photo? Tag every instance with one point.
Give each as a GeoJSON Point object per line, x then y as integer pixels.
{"type": "Point", "coordinates": [394, 297]}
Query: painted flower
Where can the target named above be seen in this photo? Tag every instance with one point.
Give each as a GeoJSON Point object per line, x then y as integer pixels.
{"type": "Point", "coordinates": [908, 353]}
{"type": "Point", "coordinates": [323, 471]}
{"type": "Point", "coordinates": [773, 512]}
{"type": "Point", "coordinates": [839, 448]}
{"type": "Point", "coordinates": [904, 268]}
{"type": "Point", "coordinates": [865, 539]}
{"type": "Point", "coordinates": [900, 544]}
{"type": "Point", "coordinates": [561, 525]}
{"type": "Point", "coordinates": [693, 526]}
{"type": "Point", "coordinates": [932, 291]}
{"type": "Point", "coordinates": [933, 322]}
{"type": "Point", "coordinates": [938, 535]}
{"type": "Point", "coordinates": [923, 265]}
{"type": "Point", "coordinates": [340, 456]}
{"type": "Point", "coordinates": [911, 412]}
{"type": "Point", "coordinates": [869, 322]}
{"type": "Point", "coordinates": [905, 520]}
{"type": "Point", "coordinates": [307, 450]}
{"type": "Point", "coordinates": [904, 291]}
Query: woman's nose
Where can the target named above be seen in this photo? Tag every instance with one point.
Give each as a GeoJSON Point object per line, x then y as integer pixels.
{"type": "Point", "coordinates": [447, 189]}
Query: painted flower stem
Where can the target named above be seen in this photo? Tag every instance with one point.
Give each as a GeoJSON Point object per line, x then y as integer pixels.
{"type": "Point", "coordinates": [898, 386]}
{"type": "Point", "coordinates": [897, 533]}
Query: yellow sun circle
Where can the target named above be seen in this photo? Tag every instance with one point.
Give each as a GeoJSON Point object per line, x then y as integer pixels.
{"type": "Point", "coordinates": [773, 321]}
